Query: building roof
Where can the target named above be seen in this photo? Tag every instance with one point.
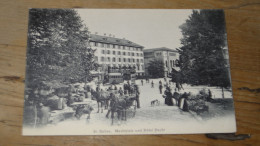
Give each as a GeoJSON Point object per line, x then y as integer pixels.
{"type": "Point", "coordinates": [112, 40]}
{"type": "Point", "coordinates": [159, 49]}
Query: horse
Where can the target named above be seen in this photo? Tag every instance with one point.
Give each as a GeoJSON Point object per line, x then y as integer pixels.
{"type": "Point", "coordinates": [102, 98]}
{"type": "Point", "coordinates": [119, 105]}
{"type": "Point", "coordinates": [126, 87]}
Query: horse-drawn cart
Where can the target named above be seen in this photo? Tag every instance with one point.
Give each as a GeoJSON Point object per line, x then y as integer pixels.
{"type": "Point", "coordinates": [124, 106]}
{"type": "Point", "coordinates": [131, 105]}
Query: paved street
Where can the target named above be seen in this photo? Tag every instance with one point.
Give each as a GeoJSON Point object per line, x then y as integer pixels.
{"type": "Point", "coordinates": [148, 113]}
{"type": "Point", "coordinates": [147, 116]}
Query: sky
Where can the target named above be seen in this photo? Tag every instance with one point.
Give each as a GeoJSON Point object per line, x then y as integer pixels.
{"type": "Point", "coordinates": [151, 28]}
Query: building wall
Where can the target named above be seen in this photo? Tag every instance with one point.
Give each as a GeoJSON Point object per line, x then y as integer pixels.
{"type": "Point", "coordinates": [168, 57]}
{"type": "Point", "coordinates": [117, 55]}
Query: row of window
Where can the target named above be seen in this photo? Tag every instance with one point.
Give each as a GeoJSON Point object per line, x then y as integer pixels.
{"type": "Point", "coordinates": [172, 63]}
{"type": "Point", "coordinates": [138, 67]}
{"type": "Point", "coordinates": [108, 59]}
{"type": "Point", "coordinates": [119, 53]}
{"type": "Point", "coordinates": [103, 45]}
{"type": "Point", "coordinates": [160, 54]}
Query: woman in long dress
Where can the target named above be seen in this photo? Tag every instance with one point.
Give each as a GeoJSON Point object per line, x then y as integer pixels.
{"type": "Point", "coordinates": [168, 98]}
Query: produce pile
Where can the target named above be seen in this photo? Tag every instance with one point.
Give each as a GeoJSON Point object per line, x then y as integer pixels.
{"type": "Point", "coordinates": [197, 103]}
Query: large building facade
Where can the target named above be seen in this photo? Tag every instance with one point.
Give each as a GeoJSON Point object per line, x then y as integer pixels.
{"type": "Point", "coordinates": [166, 55]}
{"type": "Point", "coordinates": [114, 52]}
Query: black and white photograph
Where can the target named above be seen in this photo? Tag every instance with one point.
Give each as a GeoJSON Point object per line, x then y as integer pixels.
{"type": "Point", "coordinates": [127, 72]}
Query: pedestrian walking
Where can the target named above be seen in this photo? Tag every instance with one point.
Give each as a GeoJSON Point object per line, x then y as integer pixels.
{"type": "Point", "coordinates": [160, 88]}
{"type": "Point", "coordinates": [98, 88]}
{"type": "Point", "coordinates": [160, 82]}
{"type": "Point", "coordinates": [152, 84]}
{"type": "Point", "coordinates": [120, 91]}
{"type": "Point", "coordinates": [142, 82]}
{"type": "Point", "coordinates": [137, 93]}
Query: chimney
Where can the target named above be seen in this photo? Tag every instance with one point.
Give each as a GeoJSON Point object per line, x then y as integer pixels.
{"type": "Point", "coordinates": [105, 34]}
{"type": "Point", "coordinates": [96, 32]}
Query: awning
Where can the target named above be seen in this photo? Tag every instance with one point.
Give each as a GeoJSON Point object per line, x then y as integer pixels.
{"type": "Point", "coordinates": [114, 74]}
{"type": "Point", "coordinates": [92, 72]}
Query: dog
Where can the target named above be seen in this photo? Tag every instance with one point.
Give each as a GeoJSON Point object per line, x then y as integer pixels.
{"type": "Point", "coordinates": [155, 102]}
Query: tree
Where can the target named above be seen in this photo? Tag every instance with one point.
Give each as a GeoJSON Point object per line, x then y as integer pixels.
{"type": "Point", "coordinates": [58, 47]}
{"type": "Point", "coordinates": [156, 68]}
{"type": "Point", "coordinates": [58, 51]}
{"type": "Point", "coordinates": [201, 55]}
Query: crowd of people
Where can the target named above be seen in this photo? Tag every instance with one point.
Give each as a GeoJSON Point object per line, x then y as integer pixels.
{"type": "Point", "coordinates": [127, 90]}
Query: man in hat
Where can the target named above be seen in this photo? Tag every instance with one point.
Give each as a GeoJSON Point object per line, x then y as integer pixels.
{"type": "Point", "coordinates": [137, 93]}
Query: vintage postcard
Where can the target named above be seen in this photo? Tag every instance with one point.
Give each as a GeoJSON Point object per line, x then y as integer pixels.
{"type": "Point", "coordinates": [127, 71]}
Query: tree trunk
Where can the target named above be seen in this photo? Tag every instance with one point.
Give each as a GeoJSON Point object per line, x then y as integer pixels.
{"type": "Point", "coordinates": [223, 93]}
{"type": "Point", "coordinates": [35, 116]}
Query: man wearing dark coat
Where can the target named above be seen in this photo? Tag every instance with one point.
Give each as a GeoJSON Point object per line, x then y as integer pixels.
{"type": "Point", "coordinates": [160, 88]}
{"type": "Point", "coordinates": [137, 93]}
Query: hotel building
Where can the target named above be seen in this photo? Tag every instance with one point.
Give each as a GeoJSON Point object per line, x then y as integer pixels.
{"type": "Point", "coordinates": [116, 52]}
{"type": "Point", "coordinates": [166, 55]}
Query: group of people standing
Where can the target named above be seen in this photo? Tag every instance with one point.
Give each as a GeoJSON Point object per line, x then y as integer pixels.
{"type": "Point", "coordinates": [128, 90]}
{"type": "Point", "coordinates": [169, 96]}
